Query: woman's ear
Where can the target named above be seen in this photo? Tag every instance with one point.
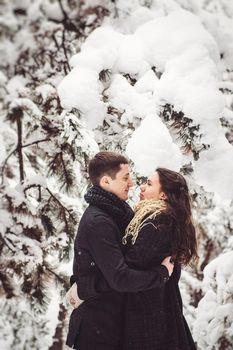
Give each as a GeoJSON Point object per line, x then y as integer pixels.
{"type": "Point", "coordinates": [162, 196]}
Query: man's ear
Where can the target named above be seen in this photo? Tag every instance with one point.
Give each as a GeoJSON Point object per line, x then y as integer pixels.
{"type": "Point", "coordinates": [104, 181]}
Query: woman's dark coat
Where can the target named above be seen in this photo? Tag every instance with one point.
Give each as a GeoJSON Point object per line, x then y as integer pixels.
{"type": "Point", "coordinates": [154, 318]}
{"type": "Point", "coordinates": [102, 275]}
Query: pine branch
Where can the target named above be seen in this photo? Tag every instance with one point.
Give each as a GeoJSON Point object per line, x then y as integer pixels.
{"type": "Point", "coordinates": [157, 72]}
{"type": "Point", "coordinates": [104, 75]}
{"type": "Point", "coordinates": [61, 169]}
{"type": "Point", "coordinates": [16, 115]}
{"type": "Point", "coordinates": [47, 222]}
{"type": "Point", "coordinates": [64, 209]}
{"type": "Point", "coordinates": [187, 132]}
{"type": "Point", "coordinates": [6, 244]}
{"type": "Point", "coordinates": [224, 343]}
{"type": "Point", "coordinates": [131, 80]}
{"type": "Point", "coordinates": [7, 285]}
{"type": "Point", "coordinates": [209, 247]}
{"type": "Point", "coordinates": [34, 285]}
{"type": "Point", "coordinates": [40, 194]}
{"type": "Point", "coordinates": [65, 52]}
{"type": "Point", "coordinates": [67, 22]}
{"type": "Point", "coordinates": [15, 150]}
{"type": "Point", "coordinates": [54, 165]}
{"type": "Point", "coordinates": [49, 127]}
{"type": "Point", "coordinates": [68, 175]}
{"type": "Point", "coordinates": [4, 165]}
{"type": "Point", "coordinates": [63, 280]}
{"type": "Point", "coordinates": [63, 11]}
{"type": "Point", "coordinates": [35, 142]}
{"type": "Point", "coordinates": [55, 41]}
{"type": "Point", "coordinates": [29, 187]}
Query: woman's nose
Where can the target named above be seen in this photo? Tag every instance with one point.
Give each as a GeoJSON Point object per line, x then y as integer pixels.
{"type": "Point", "coordinates": [142, 187]}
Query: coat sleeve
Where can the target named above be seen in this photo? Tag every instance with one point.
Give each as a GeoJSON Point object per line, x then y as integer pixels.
{"type": "Point", "coordinates": [151, 245]}
{"type": "Point", "coordinates": [107, 254]}
{"type": "Point", "coordinates": [177, 272]}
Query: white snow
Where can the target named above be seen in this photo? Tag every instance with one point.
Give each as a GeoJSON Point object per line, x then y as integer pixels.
{"type": "Point", "coordinates": [5, 221]}
{"type": "Point", "coordinates": [2, 150]}
{"type": "Point", "coordinates": [84, 139]}
{"type": "Point", "coordinates": [125, 98]}
{"type": "Point", "coordinates": [81, 89]}
{"type": "Point", "coordinates": [35, 180]}
{"type": "Point", "coordinates": [181, 48]}
{"type": "Point", "coordinates": [130, 57]}
{"type": "Point", "coordinates": [3, 79]}
{"type": "Point", "coordinates": [46, 91]}
{"type": "Point", "coordinates": [89, 58]}
{"type": "Point", "coordinates": [215, 168]}
{"type": "Point", "coordinates": [53, 10]}
{"type": "Point", "coordinates": [166, 37]}
{"type": "Point", "coordinates": [215, 310]}
{"type": "Point", "coordinates": [151, 146]}
{"type": "Point", "coordinates": [106, 41]}
{"type": "Point", "coordinates": [16, 85]}
{"type": "Point", "coordinates": [139, 16]}
{"type": "Point", "coordinates": [19, 4]}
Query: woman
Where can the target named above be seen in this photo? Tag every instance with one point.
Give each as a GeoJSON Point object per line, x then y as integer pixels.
{"type": "Point", "coordinates": [162, 226]}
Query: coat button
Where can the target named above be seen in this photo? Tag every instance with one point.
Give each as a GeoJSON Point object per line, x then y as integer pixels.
{"type": "Point", "coordinates": [92, 263]}
{"type": "Point", "coordinates": [79, 252]}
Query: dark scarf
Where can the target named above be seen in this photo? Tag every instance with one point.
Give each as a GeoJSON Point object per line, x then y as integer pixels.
{"type": "Point", "coordinates": [118, 209]}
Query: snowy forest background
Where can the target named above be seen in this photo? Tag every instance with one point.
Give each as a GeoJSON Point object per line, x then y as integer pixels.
{"type": "Point", "coordinates": [149, 78]}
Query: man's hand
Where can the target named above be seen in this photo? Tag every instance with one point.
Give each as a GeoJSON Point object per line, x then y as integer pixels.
{"type": "Point", "coordinates": [168, 264]}
{"type": "Point", "coordinates": [72, 297]}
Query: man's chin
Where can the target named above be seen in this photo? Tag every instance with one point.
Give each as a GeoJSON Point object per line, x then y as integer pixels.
{"type": "Point", "coordinates": [125, 197]}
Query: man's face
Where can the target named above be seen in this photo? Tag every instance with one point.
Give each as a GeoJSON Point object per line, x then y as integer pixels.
{"type": "Point", "coordinates": [152, 188]}
{"type": "Point", "coordinates": [121, 184]}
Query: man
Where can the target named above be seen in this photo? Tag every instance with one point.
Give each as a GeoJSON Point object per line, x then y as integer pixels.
{"type": "Point", "coordinates": [99, 267]}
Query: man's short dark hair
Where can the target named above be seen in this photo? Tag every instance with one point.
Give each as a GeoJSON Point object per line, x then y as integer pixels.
{"type": "Point", "coordinates": [105, 163]}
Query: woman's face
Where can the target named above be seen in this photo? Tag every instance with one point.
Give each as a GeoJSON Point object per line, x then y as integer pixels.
{"type": "Point", "coordinates": [152, 188]}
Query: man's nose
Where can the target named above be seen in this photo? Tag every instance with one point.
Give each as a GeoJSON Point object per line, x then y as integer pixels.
{"type": "Point", "coordinates": [130, 182]}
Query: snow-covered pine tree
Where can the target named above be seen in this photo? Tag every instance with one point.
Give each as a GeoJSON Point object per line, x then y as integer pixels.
{"type": "Point", "coordinates": [147, 88]}
{"type": "Point", "coordinates": [44, 154]}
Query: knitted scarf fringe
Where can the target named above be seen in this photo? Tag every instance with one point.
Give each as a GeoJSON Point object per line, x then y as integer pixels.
{"type": "Point", "coordinates": [144, 208]}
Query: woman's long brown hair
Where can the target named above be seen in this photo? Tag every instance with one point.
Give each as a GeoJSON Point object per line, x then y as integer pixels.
{"type": "Point", "coordinates": [184, 243]}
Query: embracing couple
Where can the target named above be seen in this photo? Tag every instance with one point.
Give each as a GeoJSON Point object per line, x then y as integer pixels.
{"type": "Point", "coordinates": [127, 263]}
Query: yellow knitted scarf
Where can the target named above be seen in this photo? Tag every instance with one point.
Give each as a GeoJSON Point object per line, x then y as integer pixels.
{"type": "Point", "coordinates": [144, 208]}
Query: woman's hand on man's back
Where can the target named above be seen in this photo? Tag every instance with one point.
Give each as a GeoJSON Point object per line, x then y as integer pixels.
{"type": "Point", "coordinates": [168, 264]}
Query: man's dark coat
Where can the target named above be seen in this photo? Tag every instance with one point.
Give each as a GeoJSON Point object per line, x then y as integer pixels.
{"type": "Point", "coordinates": [99, 265]}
